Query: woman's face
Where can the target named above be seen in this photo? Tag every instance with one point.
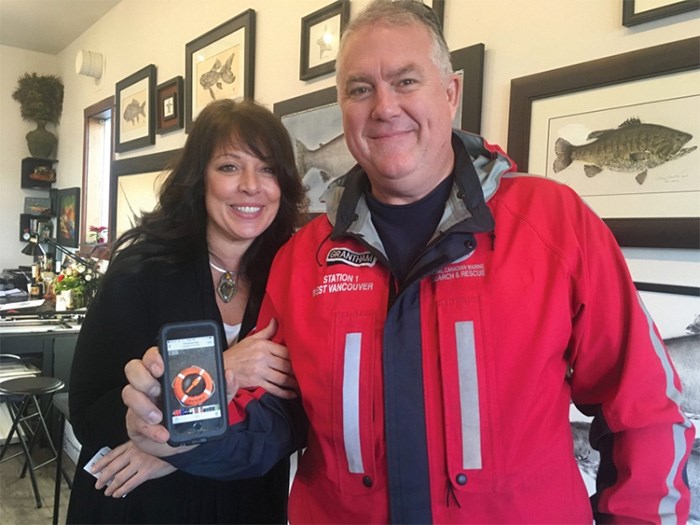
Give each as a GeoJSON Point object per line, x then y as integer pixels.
{"type": "Point", "coordinates": [242, 195]}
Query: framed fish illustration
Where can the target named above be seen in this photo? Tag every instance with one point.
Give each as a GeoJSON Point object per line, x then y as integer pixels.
{"type": "Point", "coordinates": [135, 125]}
{"type": "Point", "coordinates": [220, 64]}
{"type": "Point", "coordinates": [623, 132]}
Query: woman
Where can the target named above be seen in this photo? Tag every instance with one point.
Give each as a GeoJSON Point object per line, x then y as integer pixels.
{"type": "Point", "coordinates": [233, 198]}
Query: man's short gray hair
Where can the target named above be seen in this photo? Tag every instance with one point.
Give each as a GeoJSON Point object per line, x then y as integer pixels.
{"type": "Point", "coordinates": [401, 13]}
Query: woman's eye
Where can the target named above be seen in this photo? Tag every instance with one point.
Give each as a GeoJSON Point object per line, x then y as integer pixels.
{"type": "Point", "coordinates": [269, 170]}
{"type": "Point", "coordinates": [228, 168]}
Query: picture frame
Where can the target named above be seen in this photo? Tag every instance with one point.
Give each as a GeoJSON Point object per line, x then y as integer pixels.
{"type": "Point", "coordinates": [469, 63]}
{"type": "Point", "coordinates": [135, 124]}
{"type": "Point", "coordinates": [438, 7]}
{"type": "Point", "coordinates": [133, 187]}
{"type": "Point", "coordinates": [170, 105]}
{"type": "Point", "coordinates": [320, 36]}
{"type": "Point", "coordinates": [662, 228]}
{"type": "Point", "coordinates": [38, 206]}
{"type": "Point", "coordinates": [634, 14]}
{"type": "Point", "coordinates": [68, 217]}
{"type": "Point", "coordinates": [220, 64]}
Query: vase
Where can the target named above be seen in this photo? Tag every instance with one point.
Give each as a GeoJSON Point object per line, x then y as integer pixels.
{"type": "Point", "coordinates": [41, 141]}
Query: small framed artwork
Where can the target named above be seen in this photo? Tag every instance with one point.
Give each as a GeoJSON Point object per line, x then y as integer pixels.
{"type": "Point", "coordinates": [135, 105]}
{"type": "Point", "coordinates": [30, 224]}
{"type": "Point", "coordinates": [468, 62]}
{"type": "Point", "coordinates": [622, 131]}
{"type": "Point", "coordinates": [320, 36]}
{"type": "Point", "coordinates": [169, 101]}
{"type": "Point", "coordinates": [640, 11]}
{"type": "Point", "coordinates": [68, 217]}
{"type": "Point", "coordinates": [38, 206]}
{"type": "Point", "coordinates": [220, 64]}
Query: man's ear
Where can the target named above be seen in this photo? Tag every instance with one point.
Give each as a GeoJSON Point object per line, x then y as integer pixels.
{"type": "Point", "coordinates": [454, 92]}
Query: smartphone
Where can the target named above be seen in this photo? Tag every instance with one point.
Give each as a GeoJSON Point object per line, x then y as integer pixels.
{"type": "Point", "coordinates": [194, 388]}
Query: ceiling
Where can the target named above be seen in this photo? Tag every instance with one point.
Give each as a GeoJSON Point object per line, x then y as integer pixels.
{"type": "Point", "coordinates": [48, 26]}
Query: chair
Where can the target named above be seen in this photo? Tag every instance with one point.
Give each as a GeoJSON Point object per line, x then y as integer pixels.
{"type": "Point", "coordinates": [21, 395]}
{"type": "Point", "coordinates": [60, 403]}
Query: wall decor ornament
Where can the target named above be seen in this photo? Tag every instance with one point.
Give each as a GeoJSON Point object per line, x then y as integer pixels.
{"type": "Point", "coordinates": [654, 202]}
{"type": "Point", "coordinates": [41, 101]}
{"type": "Point", "coordinates": [68, 217]}
{"type": "Point", "coordinates": [220, 64]}
{"type": "Point", "coordinates": [170, 105]}
{"type": "Point", "coordinates": [135, 110]}
{"type": "Point", "coordinates": [320, 36]}
{"type": "Point", "coordinates": [634, 11]}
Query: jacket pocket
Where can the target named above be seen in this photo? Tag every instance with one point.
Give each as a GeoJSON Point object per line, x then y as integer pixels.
{"type": "Point", "coordinates": [353, 404]}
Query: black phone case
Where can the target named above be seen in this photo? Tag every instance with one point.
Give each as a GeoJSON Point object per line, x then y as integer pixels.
{"type": "Point", "coordinates": [187, 330]}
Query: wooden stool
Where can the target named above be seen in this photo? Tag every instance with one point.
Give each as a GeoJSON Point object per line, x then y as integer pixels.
{"type": "Point", "coordinates": [20, 394]}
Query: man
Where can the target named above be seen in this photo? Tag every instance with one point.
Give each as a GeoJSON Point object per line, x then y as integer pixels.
{"type": "Point", "coordinates": [443, 316]}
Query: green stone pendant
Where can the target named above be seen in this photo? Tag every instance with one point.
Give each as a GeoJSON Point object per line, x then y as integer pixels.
{"type": "Point", "coordinates": [227, 287]}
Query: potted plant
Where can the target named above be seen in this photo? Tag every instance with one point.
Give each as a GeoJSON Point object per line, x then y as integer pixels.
{"type": "Point", "coordinates": [41, 100]}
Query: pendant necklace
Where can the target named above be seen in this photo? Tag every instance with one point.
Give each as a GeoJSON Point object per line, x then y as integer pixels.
{"type": "Point", "coordinates": [227, 287]}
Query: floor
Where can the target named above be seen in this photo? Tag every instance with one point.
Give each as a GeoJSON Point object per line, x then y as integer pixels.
{"type": "Point", "coordinates": [17, 503]}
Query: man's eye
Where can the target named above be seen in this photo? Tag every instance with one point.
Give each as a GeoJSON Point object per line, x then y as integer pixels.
{"type": "Point", "coordinates": [358, 91]}
{"type": "Point", "coordinates": [407, 82]}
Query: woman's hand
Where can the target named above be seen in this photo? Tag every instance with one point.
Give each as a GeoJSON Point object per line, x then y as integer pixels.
{"type": "Point", "coordinates": [143, 417]}
{"type": "Point", "coordinates": [257, 361]}
{"type": "Point", "coordinates": [126, 467]}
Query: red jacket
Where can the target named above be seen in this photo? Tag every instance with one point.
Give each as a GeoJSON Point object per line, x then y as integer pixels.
{"type": "Point", "coordinates": [446, 398]}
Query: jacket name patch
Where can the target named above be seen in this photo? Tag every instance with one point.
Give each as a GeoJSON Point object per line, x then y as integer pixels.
{"type": "Point", "coordinates": [458, 271]}
{"type": "Point", "coordinates": [349, 257]}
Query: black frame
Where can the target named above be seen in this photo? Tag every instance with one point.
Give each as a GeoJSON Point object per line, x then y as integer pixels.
{"type": "Point", "coordinates": [244, 21]}
{"type": "Point", "coordinates": [664, 59]}
{"type": "Point", "coordinates": [171, 89]}
{"type": "Point", "coordinates": [471, 61]}
{"type": "Point", "coordinates": [340, 8]}
{"type": "Point", "coordinates": [631, 18]}
{"type": "Point", "coordinates": [62, 196]}
{"type": "Point", "coordinates": [134, 166]}
{"type": "Point", "coordinates": [147, 73]}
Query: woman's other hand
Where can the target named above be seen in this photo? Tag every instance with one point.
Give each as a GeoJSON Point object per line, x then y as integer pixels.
{"type": "Point", "coordinates": [256, 361]}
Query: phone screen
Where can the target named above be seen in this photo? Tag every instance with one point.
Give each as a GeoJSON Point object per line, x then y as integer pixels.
{"type": "Point", "coordinates": [195, 403]}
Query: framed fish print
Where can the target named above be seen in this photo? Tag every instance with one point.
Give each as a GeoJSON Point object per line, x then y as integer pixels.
{"type": "Point", "coordinates": [68, 217]}
{"type": "Point", "coordinates": [320, 36]}
{"type": "Point", "coordinates": [623, 132]}
{"type": "Point", "coordinates": [640, 11]}
{"type": "Point", "coordinates": [135, 125]}
{"type": "Point", "coordinates": [220, 64]}
{"type": "Point", "coordinates": [170, 106]}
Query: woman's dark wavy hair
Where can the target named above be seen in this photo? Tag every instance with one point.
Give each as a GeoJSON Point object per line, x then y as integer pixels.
{"type": "Point", "coordinates": [175, 231]}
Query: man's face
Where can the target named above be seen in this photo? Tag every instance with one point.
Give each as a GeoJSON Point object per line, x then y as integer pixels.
{"type": "Point", "coordinates": [397, 110]}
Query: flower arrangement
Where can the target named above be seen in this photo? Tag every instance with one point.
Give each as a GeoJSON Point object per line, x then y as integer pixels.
{"type": "Point", "coordinates": [98, 234]}
{"type": "Point", "coordinates": [81, 280]}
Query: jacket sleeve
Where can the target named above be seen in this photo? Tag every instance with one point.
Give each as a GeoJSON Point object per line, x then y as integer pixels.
{"type": "Point", "coordinates": [622, 376]}
{"type": "Point", "coordinates": [263, 429]}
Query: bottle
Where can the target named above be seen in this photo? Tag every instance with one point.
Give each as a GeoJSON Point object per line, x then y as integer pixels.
{"type": "Point", "coordinates": [36, 287]}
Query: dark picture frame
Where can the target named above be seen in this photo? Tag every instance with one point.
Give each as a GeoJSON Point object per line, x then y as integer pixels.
{"type": "Point", "coordinates": [146, 168]}
{"type": "Point", "coordinates": [215, 63]}
{"type": "Point", "coordinates": [320, 36]}
{"type": "Point", "coordinates": [135, 125]}
{"type": "Point", "coordinates": [470, 62]}
{"type": "Point", "coordinates": [170, 105]}
{"type": "Point", "coordinates": [656, 61]}
{"type": "Point", "coordinates": [632, 17]}
{"type": "Point", "coordinates": [68, 217]}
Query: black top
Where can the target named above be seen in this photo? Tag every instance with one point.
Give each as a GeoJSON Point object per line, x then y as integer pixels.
{"type": "Point", "coordinates": [120, 325]}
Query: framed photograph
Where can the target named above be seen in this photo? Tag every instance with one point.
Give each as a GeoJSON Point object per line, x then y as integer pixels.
{"type": "Point", "coordinates": [468, 62]}
{"type": "Point", "coordinates": [68, 217]}
{"type": "Point", "coordinates": [320, 36]}
{"type": "Point", "coordinates": [220, 64]}
{"type": "Point", "coordinates": [561, 120]}
{"type": "Point", "coordinates": [134, 188]}
{"type": "Point", "coordinates": [170, 105]}
{"type": "Point", "coordinates": [38, 206]}
{"type": "Point", "coordinates": [135, 105]}
{"type": "Point", "coordinates": [640, 11]}
{"type": "Point", "coordinates": [29, 223]}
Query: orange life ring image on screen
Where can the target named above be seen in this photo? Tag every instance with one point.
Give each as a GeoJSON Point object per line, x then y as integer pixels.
{"type": "Point", "coordinates": [193, 386]}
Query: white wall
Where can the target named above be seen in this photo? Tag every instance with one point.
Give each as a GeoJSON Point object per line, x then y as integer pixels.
{"type": "Point", "coordinates": [522, 37]}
